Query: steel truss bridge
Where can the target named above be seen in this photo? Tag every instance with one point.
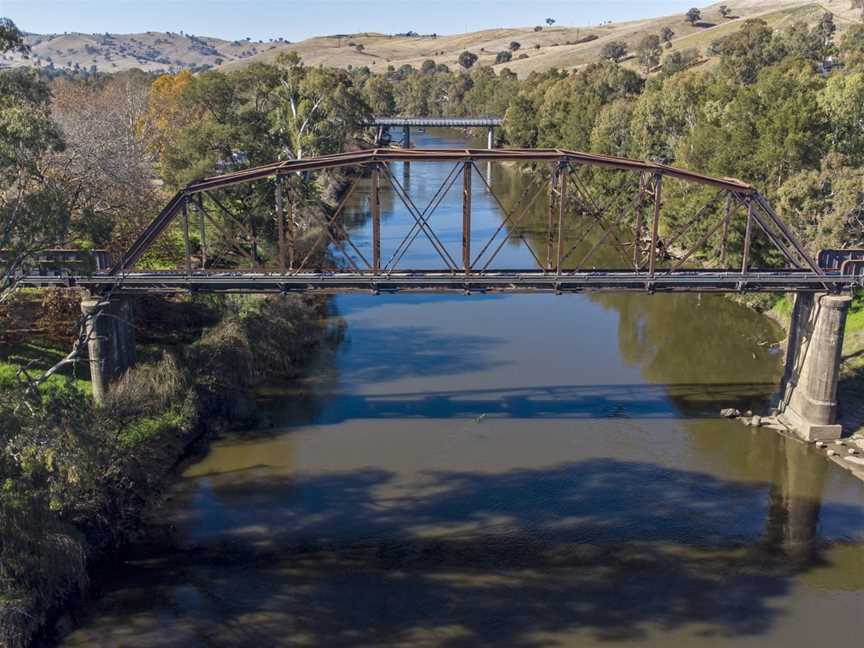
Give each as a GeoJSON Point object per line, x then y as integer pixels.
{"type": "Point", "coordinates": [264, 241]}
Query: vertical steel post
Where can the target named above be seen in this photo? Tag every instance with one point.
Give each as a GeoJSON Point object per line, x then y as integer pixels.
{"type": "Point", "coordinates": [280, 223]}
{"type": "Point", "coordinates": [562, 193]}
{"type": "Point", "coordinates": [376, 220]}
{"type": "Point", "coordinates": [637, 241]}
{"type": "Point", "coordinates": [550, 235]}
{"type": "Point", "coordinates": [655, 226]}
{"type": "Point", "coordinates": [253, 259]}
{"type": "Point", "coordinates": [201, 231]}
{"type": "Point", "coordinates": [292, 236]}
{"type": "Point", "coordinates": [407, 165]}
{"type": "Point", "coordinates": [748, 235]}
{"type": "Point", "coordinates": [730, 208]}
{"type": "Point", "coordinates": [490, 138]}
{"type": "Point", "coordinates": [466, 216]}
{"type": "Point", "coordinates": [186, 237]}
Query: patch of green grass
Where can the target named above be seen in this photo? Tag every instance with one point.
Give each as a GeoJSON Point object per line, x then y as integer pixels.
{"type": "Point", "coordinates": [11, 359]}
{"type": "Point", "coordinates": [151, 427]}
{"type": "Point", "coordinates": [855, 320]}
{"type": "Point", "coordinates": [9, 379]}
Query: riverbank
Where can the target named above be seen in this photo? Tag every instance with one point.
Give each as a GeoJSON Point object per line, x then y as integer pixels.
{"type": "Point", "coordinates": [150, 420]}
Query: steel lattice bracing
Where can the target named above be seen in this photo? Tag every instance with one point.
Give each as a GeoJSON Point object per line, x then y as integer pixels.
{"type": "Point", "coordinates": [227, 245]}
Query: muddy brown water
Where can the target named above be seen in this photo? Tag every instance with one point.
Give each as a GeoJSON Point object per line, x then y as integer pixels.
{"type": "Point", "coordinates": [524, 470]}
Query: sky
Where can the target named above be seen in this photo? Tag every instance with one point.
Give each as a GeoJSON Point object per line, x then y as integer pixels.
{"type": "Point", "coordinates": [299, 19]}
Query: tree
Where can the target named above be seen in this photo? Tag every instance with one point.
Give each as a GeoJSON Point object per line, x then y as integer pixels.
{"type": "Point", "coordinates": [378, 93]}
{"type": "Point", "coordinates": [614, 51]}
{"type": "Point", "coordinates": [359, 47]}
{"type": "Point", "coordinates": [725, 11]}
{"type": "Point", "coordinates": [316, 109]}
{"type": "Point", "coordinates": [10, 36]}
{"type": "Point", "coordinates": [428, 67]}
{"type": "Point", "coordinates": [693, 16]}
{"type": "Point", "coordinates": [550, 21]}
{"type": "Point", "coordinates": [649, 52]}
{"type": "Point", "coordinates": [666, 34]}
{"type": "Point", "coordinates": [678, 61]}
{"type": "Point", "coordinates": [843, 102]}
{"type": "Point", "coordinates": [503, 57]}
{"type": "Point", "coordinates": [34, 210]}
{"type": "Point", "coordinates": [467, 59]}
{"type": "Point", "coordinates": [106, 165]}
{"type": "Point", "coordinates": [852, 46]}
{"type": "Point", "coordinates": [747, 51]}
{"type": "Point", "coordinates": [514, 46]}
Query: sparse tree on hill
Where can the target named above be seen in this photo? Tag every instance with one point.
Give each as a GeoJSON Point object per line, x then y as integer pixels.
{"type": "Point", "coordinates": [550, 21]}
{"type": "Point", "coordinates": [467, 59]}
{"type": "Point", "coordinates": [428, 67]}
{"type": "Point", "coordinates": [725, 11]}
{"type": "Point", "coordinates": [694, 16]}
{"type": "Point", "coordinates": [359, 47]}
{"type": "Point", "coordinates": [503, 57]}
{"type": "Point", "coordinates": [614, 51]}
{"type": "Point", "coordinates": [515, 45]}
{"type": "Point", "coordinates": [649, 52]}
{"type": "Point", "coordinates": [10, 36]}
{"type": "Point", "coordinates": [666, 34]}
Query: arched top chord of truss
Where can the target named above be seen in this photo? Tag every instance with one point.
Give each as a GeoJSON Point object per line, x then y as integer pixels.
{"type": "Point", "coordinates": [381, 155]}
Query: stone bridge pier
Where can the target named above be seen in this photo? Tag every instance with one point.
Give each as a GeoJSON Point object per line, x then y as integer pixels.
{"type": "Point", "coordinates": [110, 341]}
{"type": "Point", "coordinates": [808, 392]}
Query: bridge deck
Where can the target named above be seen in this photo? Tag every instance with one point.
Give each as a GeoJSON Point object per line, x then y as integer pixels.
{"type": "Point", "coordinates": [507, 281]}
{"type": "Point", "coordinates": [439, 122]}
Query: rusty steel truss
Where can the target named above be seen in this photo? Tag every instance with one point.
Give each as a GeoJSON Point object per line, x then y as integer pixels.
{"type": "Point", "coordinates": [557, 267]}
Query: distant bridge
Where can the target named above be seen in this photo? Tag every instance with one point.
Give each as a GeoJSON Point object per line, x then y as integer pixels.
{"type": "Point", "coordinates": [439, 122]}
{"type": "Point", "coordinates": [383, 124]}
{"type": "Point", "coordinates": [260, 248]}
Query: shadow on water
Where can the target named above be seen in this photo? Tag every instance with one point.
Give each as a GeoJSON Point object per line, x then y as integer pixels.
{"type": "Point", "coordinates": [600, 548]}
{"type": "Point", "coordinates": [697, 400]}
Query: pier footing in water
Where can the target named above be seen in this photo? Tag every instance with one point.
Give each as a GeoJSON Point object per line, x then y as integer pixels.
{"type": "Point", "coordinates": [809, 389]}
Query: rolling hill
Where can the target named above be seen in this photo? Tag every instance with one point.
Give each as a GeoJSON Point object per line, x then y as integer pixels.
{"type": "Point", "coordinates": [540, 49]}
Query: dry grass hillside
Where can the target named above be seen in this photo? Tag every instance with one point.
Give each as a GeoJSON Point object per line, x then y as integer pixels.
{"type": "Point", "coordinates": [150, 51]}
{"type": "Point", "coordinates": [559, 47]}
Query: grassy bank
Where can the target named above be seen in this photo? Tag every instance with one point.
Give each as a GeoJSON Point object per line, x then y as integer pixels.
{"type": "Point", "coordinates": [74, 477]}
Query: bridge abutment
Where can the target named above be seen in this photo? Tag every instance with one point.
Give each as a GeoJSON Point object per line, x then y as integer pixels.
{"type": "Point", "coordinates": [808, 393]}
{"type": "Point", "coordinates": [110, 341]}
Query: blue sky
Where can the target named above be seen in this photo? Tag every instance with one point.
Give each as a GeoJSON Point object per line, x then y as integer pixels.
{"type": "Point", "coordinates": [298, 19]}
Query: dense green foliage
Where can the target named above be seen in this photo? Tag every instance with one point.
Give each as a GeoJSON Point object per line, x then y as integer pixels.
{"type": "Point", "coordinates": [768, 114]}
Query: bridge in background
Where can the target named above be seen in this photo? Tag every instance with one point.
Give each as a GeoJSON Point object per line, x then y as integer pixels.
{"type": "Point", "coordinates": [264, 243]}
{"type": "Point", "coordinates": [384, 124]}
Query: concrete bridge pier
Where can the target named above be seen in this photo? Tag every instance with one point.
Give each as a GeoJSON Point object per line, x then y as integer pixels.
{"type": "Point", "coordinates": [808, 393]}
{"type": "Point", "coordinates": [110, 342]}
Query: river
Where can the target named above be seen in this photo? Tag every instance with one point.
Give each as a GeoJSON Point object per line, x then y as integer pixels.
{"type": "Point", "coordinates": [519, 470]}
